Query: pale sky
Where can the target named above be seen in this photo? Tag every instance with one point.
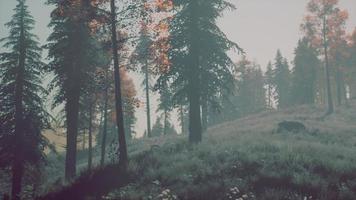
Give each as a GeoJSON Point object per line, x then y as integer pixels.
{"type": "Point", "coordinates": [260, 27]}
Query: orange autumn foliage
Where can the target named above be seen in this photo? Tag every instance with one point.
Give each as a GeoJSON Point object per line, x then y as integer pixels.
{"type": "Point", "coordinates": [129, 95]}
{"type": "Point", "coordinates": [335, 23]}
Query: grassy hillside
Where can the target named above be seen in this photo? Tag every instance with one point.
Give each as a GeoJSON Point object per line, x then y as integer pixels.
{"type": "Point", "coordinates": [247, 159]}
{"type": "Point", "coordinates": [244, 159]}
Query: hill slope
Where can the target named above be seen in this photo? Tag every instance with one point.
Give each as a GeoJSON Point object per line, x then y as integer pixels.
{"type": "Point", "coordinates": [247, 158]}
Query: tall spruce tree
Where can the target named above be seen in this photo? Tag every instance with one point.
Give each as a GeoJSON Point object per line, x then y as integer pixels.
{"type": "Point", "coordinates": [165, 106]}
{"type": "Point", "coordinates": [304, 74]}
{"type": "Point", "coordinates": [144, 57]}
{"type": "Point", "coordinates": [72, 50]}
{"type": "Point", "coordinates": [22, 113]}
{"type": "Point", "coordinates": [198, 52]}
{"type": "Point", "coordinates": [282, 80]}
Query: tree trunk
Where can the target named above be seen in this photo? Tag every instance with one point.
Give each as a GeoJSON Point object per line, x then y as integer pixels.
{"type": "Point", "coordinates": [165, 126]}
{"type": "Point", "coordinates": [18, 165]}
{"type": "Point", "coordinates": [181, 112]}
{"type": "Point", "coordinates": [83, 139]}
{"type": "Point", "coordinates": [269, 96]}
{"type": "Point", "coordinates": [148, 109]}
{"type": "Point", "coordinates": [72, 111]}
{"type": "Point", "coordinates": [195, 129]}
{"type": "Point", "coordinates": [123, 158]}
{"type": "Point", "coordinates": [17, 174]}
{"type": "Point", "coordinates": [103, 141]}
{"type": "Point", "coordinates": [90, 148]}
{"type": "Point", "coordinates": [327, 71]}
{"type": "Point", "coordinates": [339, 87]}
{"type": "Point", "coordinates": [204, 109]}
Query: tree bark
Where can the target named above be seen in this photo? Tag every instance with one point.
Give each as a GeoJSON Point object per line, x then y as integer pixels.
{"type": "Point", "coordinates": [327, 71]}
{"type": "Point", "coordinates": [83, 139]}
{"type": "Point", "coordinates": [72, 111]}
{"type": "Point", "coordinates": [269, 96]}
{"type": "Point", "coordinates": [148, 108]}
{"type": "Point", "coordinates": [181, 112]}
{"type": "Point", "coordinates": [165, 126]}
{"type": "Point", "coordinates": [90, 147]}
{"type": "Point", "coordinates": [204, 109]}
{"type": "Point", "coordinates": [339, 87]}
{"type": "Point", "coordinates": [103, 141]}
{"type": "Point", "coordinates": [195, 128]}
{"type": "Point", "coordinates": [123, 158]}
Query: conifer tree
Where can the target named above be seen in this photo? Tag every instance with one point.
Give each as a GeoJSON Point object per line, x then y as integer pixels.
{"type": "Point", "coordinates": [304, 74]}
{"type": "Point", "coordinates": [144, 57]}
{"type": "Point", "coordinates": [22, 115]}
{"type": "Point", "coordinates": [282, 80]}
{"type": "Point", "coordinates": [73, 52]}
{"type": "Point", "coordinates": [165, 106]}
{"type": "Point", "coordinates": [198, 52]}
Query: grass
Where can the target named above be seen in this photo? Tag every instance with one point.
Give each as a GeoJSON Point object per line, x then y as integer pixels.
{"type": "Point", "coordinates": [247, 159]}
{"type": "Point", "coordinates": [244, 159]}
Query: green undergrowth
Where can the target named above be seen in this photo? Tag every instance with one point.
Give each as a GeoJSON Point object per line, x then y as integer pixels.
{"type": "Point", "coordinates": [247, 159]}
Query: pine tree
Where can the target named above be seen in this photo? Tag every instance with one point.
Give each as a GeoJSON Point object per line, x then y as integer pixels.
{"type": "Point", "coordinates": [304, 74]}
{"type": "Point", "coordinates": [143, 56]}
{"type": "Point", "coordinates": [282, 80]}
{"type": "Point", "coordinates": [22, 116]}
{"type": "Point", "coordinates": [73, 53]}
{"type": "Point", "coordinates": [165, 106]}
{"type": "Point", "coordinates": [198, 52]}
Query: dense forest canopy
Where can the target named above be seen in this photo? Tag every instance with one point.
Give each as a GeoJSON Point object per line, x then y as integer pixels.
{"type": "Point", "coordinates": [177, 99]}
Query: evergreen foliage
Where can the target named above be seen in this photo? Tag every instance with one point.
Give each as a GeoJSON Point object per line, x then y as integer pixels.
{"type": "Point", "coordinates": [22, 112]}
{"type": "Point", "coordinates": [200, 65]}
{"type": "Point", "coordinates": [282, 80]}
{"type": "Point", "coordinates": [304, 74]}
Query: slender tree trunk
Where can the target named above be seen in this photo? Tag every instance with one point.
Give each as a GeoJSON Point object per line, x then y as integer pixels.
{"type": "Point", "coordinates": [165, 126]}
{"type": "Point", "coordinates": [195, 128]}
{"type": "Point", "coordinates": [90, 147]}
{"type": "Point", "coordinates": [18, 165]}
{"type": "Point", "coordinates": [269, 96]}
{"type": "Point", "coordinates": [148, 108]}
{"type": "Point", "coordinates": [181, 112]}
{"type": "Point", "coordinates": [103, 141]}
{"type": "Point", "coordinates": [327, 71]}
{"type": "Point", "coordinates": [204, 109]}
{"type": "Point", "coordinates": [84, 141]}
{"type": "Point", "coordinates": [123, 158]}
{"type": "Point", "coordinates": [339, 87]}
